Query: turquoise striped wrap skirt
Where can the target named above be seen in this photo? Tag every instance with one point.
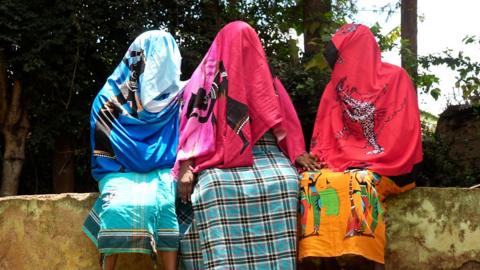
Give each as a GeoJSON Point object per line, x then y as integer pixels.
{"type": "Point", "coordinates": [135, 213]}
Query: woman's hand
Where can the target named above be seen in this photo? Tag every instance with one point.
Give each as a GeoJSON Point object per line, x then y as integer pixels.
{"type": "Point", "coordinates": [186, 180]}
{"type": "Point", "coordinates": [308, 162]}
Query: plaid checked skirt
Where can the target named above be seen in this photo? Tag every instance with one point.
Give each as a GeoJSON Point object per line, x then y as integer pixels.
{"type": "Point", "coordinates": [135, 213]}
{"type": "Point", "coordinates": [243, 218]}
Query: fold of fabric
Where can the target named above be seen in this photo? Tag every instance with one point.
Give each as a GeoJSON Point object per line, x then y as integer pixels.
{"type": "Point", "coordinates": [231, 101]}
{"type": "Point", "coordinates": [292, 145]}
{"type": "Point", "coordinates": [368, 116]}
{"type": "Point", "coordinates": [134, 118]}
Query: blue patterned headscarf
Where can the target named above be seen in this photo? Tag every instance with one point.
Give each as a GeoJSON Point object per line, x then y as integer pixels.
{"type": "Point", "coordinates": [134, 118]}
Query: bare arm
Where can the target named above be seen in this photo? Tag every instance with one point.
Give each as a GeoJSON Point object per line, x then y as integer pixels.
{"type": "Point", "coordinates": [186, 180]}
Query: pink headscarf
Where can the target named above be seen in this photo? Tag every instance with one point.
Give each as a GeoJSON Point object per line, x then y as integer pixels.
{"type": "Point", "coordinates": [368, 116]}
{"type": "Point", "coordinates": [230, 101]}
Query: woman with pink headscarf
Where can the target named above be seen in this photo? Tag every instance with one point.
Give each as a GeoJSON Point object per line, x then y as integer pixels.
{"type": "Point", "coordinates": [239, 138]}
{"type": "Point", "coordinates": [367, 133]}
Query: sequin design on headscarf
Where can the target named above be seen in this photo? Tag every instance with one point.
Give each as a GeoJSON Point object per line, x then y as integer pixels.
{"type": "Point", "coordinates": [361, 112]}
{"type": "Point", "coordinates": [348, 28]}
{"type": "Point", "coordinates": [368, 115]}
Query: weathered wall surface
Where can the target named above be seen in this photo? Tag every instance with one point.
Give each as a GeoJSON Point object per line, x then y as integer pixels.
{"type": "Point", "coordinates": [434, 228]}
{"type": "Point", "coordinates": [428, 228]}
{"type": "Point", "coordinates": [44, 232]}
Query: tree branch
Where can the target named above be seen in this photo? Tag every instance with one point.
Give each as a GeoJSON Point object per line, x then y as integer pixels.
{"type": "Point", "coordinates": [72, 82]}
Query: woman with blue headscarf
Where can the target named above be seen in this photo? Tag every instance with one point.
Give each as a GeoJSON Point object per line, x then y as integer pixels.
{"type": "Point", "coordinates": [134, 136]}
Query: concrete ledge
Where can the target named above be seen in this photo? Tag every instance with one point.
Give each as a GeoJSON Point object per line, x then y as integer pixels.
{"type": "Point", "coordinates": [434, 228]}
{"type": "Point", "coordinates": [44, 232]}
{"type": "Point", "coordinates": [428, 228]}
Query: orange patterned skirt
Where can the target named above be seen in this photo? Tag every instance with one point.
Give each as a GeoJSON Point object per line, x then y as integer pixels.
{"type": "Point", "coordinates": [343, 213]}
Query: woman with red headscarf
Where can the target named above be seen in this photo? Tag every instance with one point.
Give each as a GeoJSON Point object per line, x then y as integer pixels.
{"type": "Point", "coordinates": [240, 134]}
{"type": "Point", "coordinates": [367, 133]}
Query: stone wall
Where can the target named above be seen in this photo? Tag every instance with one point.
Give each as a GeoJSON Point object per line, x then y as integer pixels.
{"type": "Point", "coordinates": [434, 228]}
{"type": "Point", "coordinates": [428, 228]}
{"type": "Point", "coordinates": [43, 232]}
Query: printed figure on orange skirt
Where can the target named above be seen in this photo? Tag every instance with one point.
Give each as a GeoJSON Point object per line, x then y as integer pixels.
{"type": "Point", "coordinates": [367, 134]}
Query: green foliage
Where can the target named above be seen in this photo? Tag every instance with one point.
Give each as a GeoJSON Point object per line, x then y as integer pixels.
{"type": "Point", "coordinates": [63, 51]}
{"type": "Point", "coordinates": [386, 42]}
{"type": "Point", "coordinates": [466, 70]}
{"type": "Point", "coordinates": [303, 88]}
{"type": "Point", "coordinates": [318, 62]}
{"type": "Point", "coordinates": [450, 160]}
{"type": "Point", "coordinates": [323, 25]}
{"type": "Point", "coordinates": [438, 169]}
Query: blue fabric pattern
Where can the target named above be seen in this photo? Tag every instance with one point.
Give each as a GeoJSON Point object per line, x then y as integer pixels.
{"type": "Point", "coordinates": [134, 118]}
{"type": "Point", "coordinates": [135, 213]}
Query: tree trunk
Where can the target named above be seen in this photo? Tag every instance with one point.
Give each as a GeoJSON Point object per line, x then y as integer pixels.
{"type": "Point", "coordinates": [3, 88]}
{"type": "Point", "coordinates": [15, 127]}
{"type": "Point", "coordinates": [314, 20]}
{"type": "Point", "coordinates": [409, 34]}
{"type": "Point", "coordinates": [315, 24]}
{"type": "Point", "coordinates": [63, 165]}
{"type": "Point", "coordinates": [212, 8]}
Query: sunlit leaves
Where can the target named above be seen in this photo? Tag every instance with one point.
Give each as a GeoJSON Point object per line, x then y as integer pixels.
{"type": "Point", "coordinates": [466, 72]}
{"type": "Point", "coordinates": [386, 42]}
{"type": "Point", "coordinates": [316, 62]}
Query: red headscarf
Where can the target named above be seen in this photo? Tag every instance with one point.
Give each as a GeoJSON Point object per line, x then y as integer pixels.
{"type": "Point", "coordinates": [231, 100]}
{"type": "Point", "coordinates": [368, 116]}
